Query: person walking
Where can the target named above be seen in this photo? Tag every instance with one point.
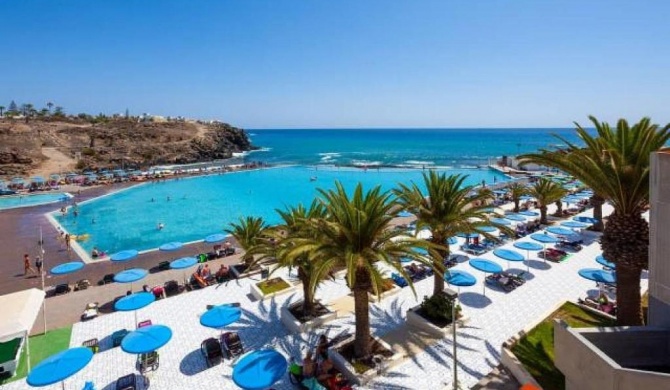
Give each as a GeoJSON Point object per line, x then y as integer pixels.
{"type": "Point", "coordinates": [67, 242]}
{"type": "Point", "coordinates": [38, 264]}
{"type": "Point", "coordinates": [26, 265]}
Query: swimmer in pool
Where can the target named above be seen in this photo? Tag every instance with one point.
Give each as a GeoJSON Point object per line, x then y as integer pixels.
{"type": "Point", "coordinates": [160, 225]}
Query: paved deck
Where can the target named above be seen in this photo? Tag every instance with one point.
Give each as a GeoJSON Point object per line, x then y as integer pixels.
{"type": "Point", "coordinates": [493, 319]}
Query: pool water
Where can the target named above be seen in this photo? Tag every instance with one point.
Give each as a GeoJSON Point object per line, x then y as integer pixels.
{"type": "Point", "coordinates": [193, 208]}
{"type": "Point", "coordinates": [15, 201]}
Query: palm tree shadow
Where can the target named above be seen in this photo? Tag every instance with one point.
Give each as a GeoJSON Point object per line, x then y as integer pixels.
{"type": "Point", "coordinates": [474, 300]}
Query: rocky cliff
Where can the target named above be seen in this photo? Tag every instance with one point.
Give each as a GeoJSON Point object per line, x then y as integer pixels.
{"type": "Point", "coordinates": [28, 147]}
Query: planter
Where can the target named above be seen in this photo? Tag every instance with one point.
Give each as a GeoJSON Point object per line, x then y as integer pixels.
{"type": "Point", "coordinates": [260, 295]}
{"type": "Point", "coordinates": [395, 289]}
{"type": "Point", "coordinates": [349, 371]}
{"type": "Point", "coordinates": [294, 325]}
{"type": "Point", "coordinates": [241, 271]}
{"type": "Point", "coordinates": [416, 320]}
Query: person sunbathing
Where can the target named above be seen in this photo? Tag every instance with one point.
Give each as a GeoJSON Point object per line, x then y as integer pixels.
{"type": "Point", "coordinates": [222, 273]}
{"type": "Point", "coordinates": [308, 366]}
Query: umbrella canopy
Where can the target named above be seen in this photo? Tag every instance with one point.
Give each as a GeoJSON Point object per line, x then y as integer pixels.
{"type": "Point", "coordinates": [67, 268]}
{"type": "Point", "coordinates": [130, 275]}
{"type": "Point", "coordinates": [486, 229]}
{"type": "Point", "coordinates": [529, 213]}
{"type": "Point", "coordinates": [468, 235]}
{"type": "Point", "coordinates": [528, 245]}
{"type": "Point", "coordinates": [126, 255]}
{"type": "Point", "coordinates": [560, 231]}
{"type": "Point", "coordinates": [500, 221]}
{"type": "Point", "coordinates": [508, 254]}
{"type": "Point", "coordinates": [405, 214]}
{"type": "Point", "coordinates": [598, 275]}
{"type": "Point", "coordinates": [134, 301]}
{"type": "Point", "coordinates": [485, 266]}
{"type": "Point", "coordinates": [171, 246]}
{"type": "Point", "coordinates": [499, 192]}
{"type": "Point", "coordinates": [184, 262]}
{"type": "Point", "coordinates": [604, 262]}
{"type": "Point", "coordinates": [220, 316]}
{"type": "Point", "coordinates": [574, 224]}
{"type": "Point", "coordinates": [58, 367]}
{"type": "Point", "coordinates": [259, 370]}
{"type": "Point", "coordinates": [146, 339]}
{"type": "Point", "coordinates": [571, 199]}
{"type": "Point", "coordinates": [452, 240]}
{"type": "Point", "coordinates": [544, 238]}
{"type": "Point", "coordinates": [515, 217]}
{"type": "Point", "coordinates": [459, 278]}
{"type": "Point", "coordinates": [526, 197]}
{"type": "Point", "coordinates": [585, 219]}
{"type": "Point", "coordinates": [213, 238]}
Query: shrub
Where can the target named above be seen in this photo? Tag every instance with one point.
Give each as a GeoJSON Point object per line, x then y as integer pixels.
{"type": "Point", "coordinates": [439, 307]}
{"type": "Point", "coordinates": [88, 152]}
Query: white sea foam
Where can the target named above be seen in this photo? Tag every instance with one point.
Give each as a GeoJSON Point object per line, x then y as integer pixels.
{"type": "Point", "coordinates": [365, 163]}
{"type": "Point", "coordinates": [419, 162]}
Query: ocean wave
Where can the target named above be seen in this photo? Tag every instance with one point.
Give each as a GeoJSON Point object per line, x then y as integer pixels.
{"type": "Point", "coordinates": [240, 154]}
{"type": "Point", "coordinates": [419, 162]}
{"type": "Point", "coordinates": [365, 163]}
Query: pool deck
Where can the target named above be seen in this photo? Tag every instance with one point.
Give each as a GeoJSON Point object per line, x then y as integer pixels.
{"type": "Point", "coordinates": [494, 318]}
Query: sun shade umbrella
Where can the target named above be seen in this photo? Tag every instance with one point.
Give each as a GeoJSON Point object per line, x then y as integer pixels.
{"type": "Point", "coordinates": [467, 235]}
{"type": "Point", "coordinates": [486, 266]}
{"type": "Point", "coordinates": [500, 221]}
{"type": "Point", "coordinates": [259, 370]}
{"type": "Point", "coordinates": [220, 316]}
{"type": "Point", "coordinates": [131, 276]}
{"type": "Point", "coordinates": [146, 339]}
{"type": "Point", "coordinates": [509, 255]}
{"type": "Point", "coordinates": [486, 229]}
{"type": "Point", "coordinates": [134, 302]}
{"type": "Point", "coordinates": [588, 220]}
{"type": "Point", "coordinates": [405, 214]}
{"type": "Point", "coordinates": [56, 368]}
{"type": "Point", "coordinates": [561, 231]}
{"type": "Point", "coordinates": [526, 197]}
{"type": "Point", "coordinates": [171, 246]}
{"type": "Point", "coordinates": [452, 240]}
{"type": "Point", "coordinates": [214, 238]}
{"type": "Point", "coordinates": [515, 217]}
{"type": "Point", "coordinates": [183, 263]}
{"type": "Point", "coordinates": [528, 246]}
{"type": "Point", "coordinates": [544, 239]}
{"type": "Point", "coordinates": [598, 275]}
{"type": "Point", "coordinates": [528, 213]}
{"type": "Point", "coordinates": [125, 255]}
{"type": "Point", "coordinates": [459, 279]}
{"type": "Point", "coordinates": [604, 262]}
{"type": "Point", "coordinates": [67, 268]}
{"type": "Point", "coordinates": [574, 224]}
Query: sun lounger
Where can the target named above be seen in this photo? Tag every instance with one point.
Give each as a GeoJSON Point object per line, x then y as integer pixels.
{"type": "Point", "coordinates": [62, 288]}
{"type": "Point", "coordinates": [211, 350]}
{"type": "Point", "coordinates": [171, 288]}
{"type": "Point", "coordinates": [91, 311]}
{"type": "Point", "coordinates": [474, 249]}
{"type": "Point", "coordinates": [82, 284]}
{"type": "Point", "coordinates": [118, 336]}
{"type": "Point", "coordinates": [128, 382]}
{"type": "Point", "coordinates": [231, 345]}
{"type": "Point", "coordinates": [109, 278]}
{"type": "Point", "coordinates": [399, 280]}
{"type": "Point", "coordinates": [148, 361]}
{"type": "Point", "coordinates": [164, 265]}
{"type": "Point", "coordinates": [92, 344]}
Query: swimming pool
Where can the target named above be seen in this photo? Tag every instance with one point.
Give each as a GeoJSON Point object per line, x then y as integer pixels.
{"type": "Point", "coordinates": [192, 208]}
{"type": "Point", "coordinates": [25, 200]}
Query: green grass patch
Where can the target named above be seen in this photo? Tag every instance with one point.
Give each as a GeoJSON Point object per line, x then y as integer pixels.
{"type": "Point", "coordinates": [536, 349]}
{"type": "Point", "coordinates": [41, 347]}
{"type": "Point", "coordinates": [272, 285]}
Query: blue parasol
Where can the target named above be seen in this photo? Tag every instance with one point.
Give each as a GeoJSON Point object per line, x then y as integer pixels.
{"type": "Point", "coordinates": [184, 262]}
{"type": "Point", "coordinates": [528, 213]}
{"type": "Point", "coordinates": [146, 339]}
{"type": "Point", "coordinates": [171, 246]}
{"type": "Point", "coordinates": [500, 221]}
{"type": "Point", "coordinates": [486, 266]}
{"type": "Point", "coordinates": [130, 275]}
{"type": "Point", "coordinates": [598, 275]}
{"type": "Point", "coordinates": [459, 279]}
{"type": "Point", "coordinates": [604, 262]}
{"type": "Point", "coordinates": [574, 224]}
{"type": "Point", "coordinates": [126, 255]}
{"type": "Point", "coordinates": [220, 316]}
{"type": "Point", "coordinates": [214, 238]}
{"type": "Point", "coordinates": [134, 301]}
{"type": "Point", "coordinates": [56, 368]}
{"type": "Point", "coordinates": [509, 255]}
{"type": "Point", "coordinates": [259, 370]}
{"type": "Point", "coordinates": [452, 240]}
{"type": "Point", "coordinates": [405, 214]}
{"type": "Point", "coordinates": [544, 238]}
{"type": "Point", "coordinates": [528, 246]}
{"type": "Point", "coordinates": [515, 217]}
{"type": "Point", "coordinates": [468, 235]}
{"type": "Point", "coordinates": [559, 230]}
{"type": "Point", "coordinates": [67, 268]}
{"type": "Point", "coordinates": [499, 192]}
{"type": "Point", "coordinates": [585, 219]}
{"type": "Point", "coordinates": [486, 229]}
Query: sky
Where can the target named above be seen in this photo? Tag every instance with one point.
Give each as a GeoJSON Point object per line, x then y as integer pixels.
{"type": "Point", "coordinates": [328, 64]}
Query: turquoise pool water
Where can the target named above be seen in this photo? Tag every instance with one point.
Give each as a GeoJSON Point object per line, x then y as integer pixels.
{"type": "Point", "coordinates": [204, 205]}
{"type": "Point", "coordinates": [15, 201]}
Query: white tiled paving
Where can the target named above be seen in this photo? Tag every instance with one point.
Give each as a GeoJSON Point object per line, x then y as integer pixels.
{"type": "Point", "coordinates": [493, 319]}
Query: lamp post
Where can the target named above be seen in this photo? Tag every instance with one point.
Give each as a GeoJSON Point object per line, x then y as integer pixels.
{"type": "Point", "coordinates": [453, 297]}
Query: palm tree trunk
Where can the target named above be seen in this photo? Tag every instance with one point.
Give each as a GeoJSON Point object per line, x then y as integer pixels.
{"type": "Point", "coordinates": [597, 203]}
{"type": "Point", "coordinates": [308, 297]}
{"type": "Point", "coordinates": [625, 241]}
{"type": "Point", "coordinates": [438, 264]}
{"type": "Point", "coordinates": [543, 215]}
{"type": "Point", "coordinates": [516, 205]}
{"type": "Point", "coordinates": [362, 344]}
{"type": "Point", "coordinates": [559, 208]}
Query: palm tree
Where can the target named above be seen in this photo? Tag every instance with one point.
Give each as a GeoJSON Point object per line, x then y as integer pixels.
{"type": "Point", "coordinates": [296, 226]}
{"type": "Point", "coordinates": [446, 208]}
{"type": "Point", "coordinates": [546, 192]}
{"type": "Point", "coordinates": [615, 165]}
{"type": "Point", "coordinates": [248, 233]}
{"type": "Point", "coordinates": [517, 190]}
{"type": "Point", "coordinates": [2, 109]}
{"type": "Point", "coordinates": [357, 234]}
{"type": "Point", "coordinates": [50, 105]}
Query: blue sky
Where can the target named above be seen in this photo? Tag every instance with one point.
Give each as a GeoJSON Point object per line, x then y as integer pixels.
{"type": "Point", "coordinates": [371, 63]}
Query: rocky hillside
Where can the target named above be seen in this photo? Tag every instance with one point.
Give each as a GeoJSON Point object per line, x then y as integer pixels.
{"type": "Point", "coordinates": [27, 147]}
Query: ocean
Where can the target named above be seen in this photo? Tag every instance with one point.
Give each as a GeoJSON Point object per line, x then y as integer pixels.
{"type": "Point", "coordinates": [412, 148]}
